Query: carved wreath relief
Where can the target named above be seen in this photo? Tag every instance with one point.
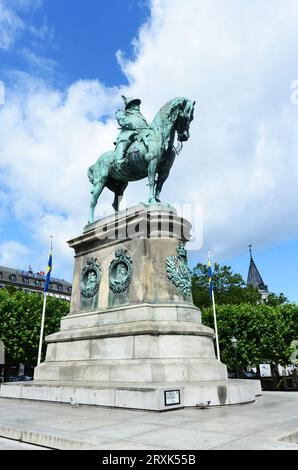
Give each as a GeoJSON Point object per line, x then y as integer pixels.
{"type": "Point", "coordinates": [120, 271]}
{"type": "Point", "coordinates": [90, 278]}
{"type": "Point", "coordinates": [178, 271]}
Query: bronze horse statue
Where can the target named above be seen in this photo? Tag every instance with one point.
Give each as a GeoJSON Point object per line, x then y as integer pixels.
{"type": "Point", "coordinates": [150, 157]}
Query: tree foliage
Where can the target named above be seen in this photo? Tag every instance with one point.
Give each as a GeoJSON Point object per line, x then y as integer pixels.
{"type": "Point", "coordinates": [229, 287]}
{"type": "Point", "coordinates": [275, 300]}
{"type": "Point", "coordinates": [264, 332]}
{"type": "Point", "coordinates": [20, 318]}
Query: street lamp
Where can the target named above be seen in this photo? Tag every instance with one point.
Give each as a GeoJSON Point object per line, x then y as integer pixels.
{"type": "Point", "coordinates": [234, 346]}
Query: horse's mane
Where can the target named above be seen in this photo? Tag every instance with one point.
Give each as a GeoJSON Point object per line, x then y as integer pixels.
{"type": "Point", "coordinates": [167, 109]}
{"type": "Point", "coordinates": [165, 116]}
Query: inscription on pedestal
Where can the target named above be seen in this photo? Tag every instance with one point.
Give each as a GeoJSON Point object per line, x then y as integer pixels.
{"type": "Point", "coordinates": [172, 397]}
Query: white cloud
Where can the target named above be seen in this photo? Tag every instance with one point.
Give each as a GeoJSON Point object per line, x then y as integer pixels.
{"type": "Point", "coordinates": [4, 206]}
{"type": "Point", "coordinates": [11, 252]}
{"type": "Point", "coordinates": [48, 139]}
{"type": "Point", "coordinates": [36, 61]}
{"type": "Point", "coordinates": [237, 59]}
{"type": "Point", "coordinates": [10, 25]}
{"type": "Point", "coordinates": [43, 32]}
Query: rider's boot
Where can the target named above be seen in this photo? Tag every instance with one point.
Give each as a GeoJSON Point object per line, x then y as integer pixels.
{"type": "Point", "coordinates": [119, 153]}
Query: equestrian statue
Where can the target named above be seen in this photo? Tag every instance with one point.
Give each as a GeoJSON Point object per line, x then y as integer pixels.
{"type": "Point", "coordinates": [142, 150]}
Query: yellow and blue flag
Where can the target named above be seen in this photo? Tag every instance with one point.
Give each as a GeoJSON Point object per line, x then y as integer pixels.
{"type": "Point", "coordinates": [48, 275]}
{"type": "Point", "coordinates": [210, 281]}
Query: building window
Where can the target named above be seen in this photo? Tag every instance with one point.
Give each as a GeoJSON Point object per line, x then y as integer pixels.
{"type": "Point", "coordinates": [59, 287]}
{"type": "Point", "coordinates": [1, 275]}
{"type": "Point", "coordinates": [25, 280]}
{"type": "Point", "coordinates": [69, 289]}
{"type": "Point", "coordinates": [13, 278]}
{"type": "Point", "coordinates": [37, 283]}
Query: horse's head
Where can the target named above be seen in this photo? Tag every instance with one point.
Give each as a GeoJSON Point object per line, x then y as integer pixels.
{"type": "Point", "coordinates": [184, 118]}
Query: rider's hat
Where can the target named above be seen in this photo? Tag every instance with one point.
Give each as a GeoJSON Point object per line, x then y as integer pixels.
{"type": "Point", "coordinates": [129, 101]}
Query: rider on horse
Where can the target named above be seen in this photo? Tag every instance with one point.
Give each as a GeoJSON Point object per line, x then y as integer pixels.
{"type": "Point", "coordinates": [131, 122]}
{"type": "Point", "coordinates": [152, 152]}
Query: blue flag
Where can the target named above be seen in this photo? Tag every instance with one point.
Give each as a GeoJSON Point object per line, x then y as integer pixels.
{"type": "Point", "coordinates": [48, 275]}
{"type": "Point", "coordinates": [210, 281]}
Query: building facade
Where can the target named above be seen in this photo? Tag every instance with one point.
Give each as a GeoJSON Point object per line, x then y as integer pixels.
{"type": "Point", "coordinates": [29, 281]}
{"type": "Point", "coordinates": [254, 278]}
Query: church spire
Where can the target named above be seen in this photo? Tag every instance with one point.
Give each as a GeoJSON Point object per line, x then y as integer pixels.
{"type": "Point", "coordinates": [254, 278]}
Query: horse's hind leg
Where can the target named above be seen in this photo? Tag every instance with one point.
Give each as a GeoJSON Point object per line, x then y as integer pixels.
{"type": "Point", "coordinates": [118, 196]}
{"type": "Point", "coordinates": [96, 192]}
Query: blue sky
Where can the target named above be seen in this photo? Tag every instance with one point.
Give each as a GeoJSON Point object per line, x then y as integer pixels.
{"type": "Point", "coordinates": [65, 64]}
{"type": "Point", "coordinates": [277, 266]}
{"type": "Point", "coordinates": [80, 37]}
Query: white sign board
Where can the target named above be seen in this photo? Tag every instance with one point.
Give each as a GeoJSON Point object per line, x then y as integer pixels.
{"type": "Point", "coordinates": [172, 397]}
{"type": "Point", "coordinates": [265, 370]}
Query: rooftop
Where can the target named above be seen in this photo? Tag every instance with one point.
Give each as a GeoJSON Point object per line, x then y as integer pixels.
{"type": "Point", "coordinates": [254, 278]}
{"type": "Point", "coordinates": [32, 280]}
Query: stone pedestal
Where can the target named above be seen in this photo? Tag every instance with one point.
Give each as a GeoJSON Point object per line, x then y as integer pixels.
{"type": "Point", "coordinates": [133, 337]}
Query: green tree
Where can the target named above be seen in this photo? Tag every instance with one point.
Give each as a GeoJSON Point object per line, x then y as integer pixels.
{"type": "Point", "coordinates": [264, 332]}
{"type": "Point", "coordinates": [275, 300]}
{"type": "Point", "coordinates": [290, 315]}
{"type": "Point", "coordinates": [20, 317]}
{"type": "Point", "coordinates": [229, 287]}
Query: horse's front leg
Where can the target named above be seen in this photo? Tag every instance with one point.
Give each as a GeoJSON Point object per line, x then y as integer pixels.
{"type": "Point", "coordinates": [152, 177]}
{"type": "Point", "coordinates": [160, 181]}
{"type": "Point", "coordinates": [95, 193]}
{"type": "Point", "coordinates": [164, 173]}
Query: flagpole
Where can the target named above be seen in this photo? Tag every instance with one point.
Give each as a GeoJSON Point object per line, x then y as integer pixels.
{"type": "Point", "coordinates": [214, 316]}
{"type": "Point", "coordinates": [43, 316]}
{"type": "Point", "coordinates": [42, 326]}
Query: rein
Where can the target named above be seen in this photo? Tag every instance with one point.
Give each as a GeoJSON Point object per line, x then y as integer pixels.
{"type": "Point", "coordinates": [178, 148]}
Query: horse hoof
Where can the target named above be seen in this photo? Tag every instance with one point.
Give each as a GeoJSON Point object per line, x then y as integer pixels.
{"type": "Point", "coordinates": [152, 200]}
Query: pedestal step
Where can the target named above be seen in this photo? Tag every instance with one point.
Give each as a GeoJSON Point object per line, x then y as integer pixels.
{"type": "Point", "coordinates": [155, 397]}
{"type": "Point", "coordinates": [143, 370]}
